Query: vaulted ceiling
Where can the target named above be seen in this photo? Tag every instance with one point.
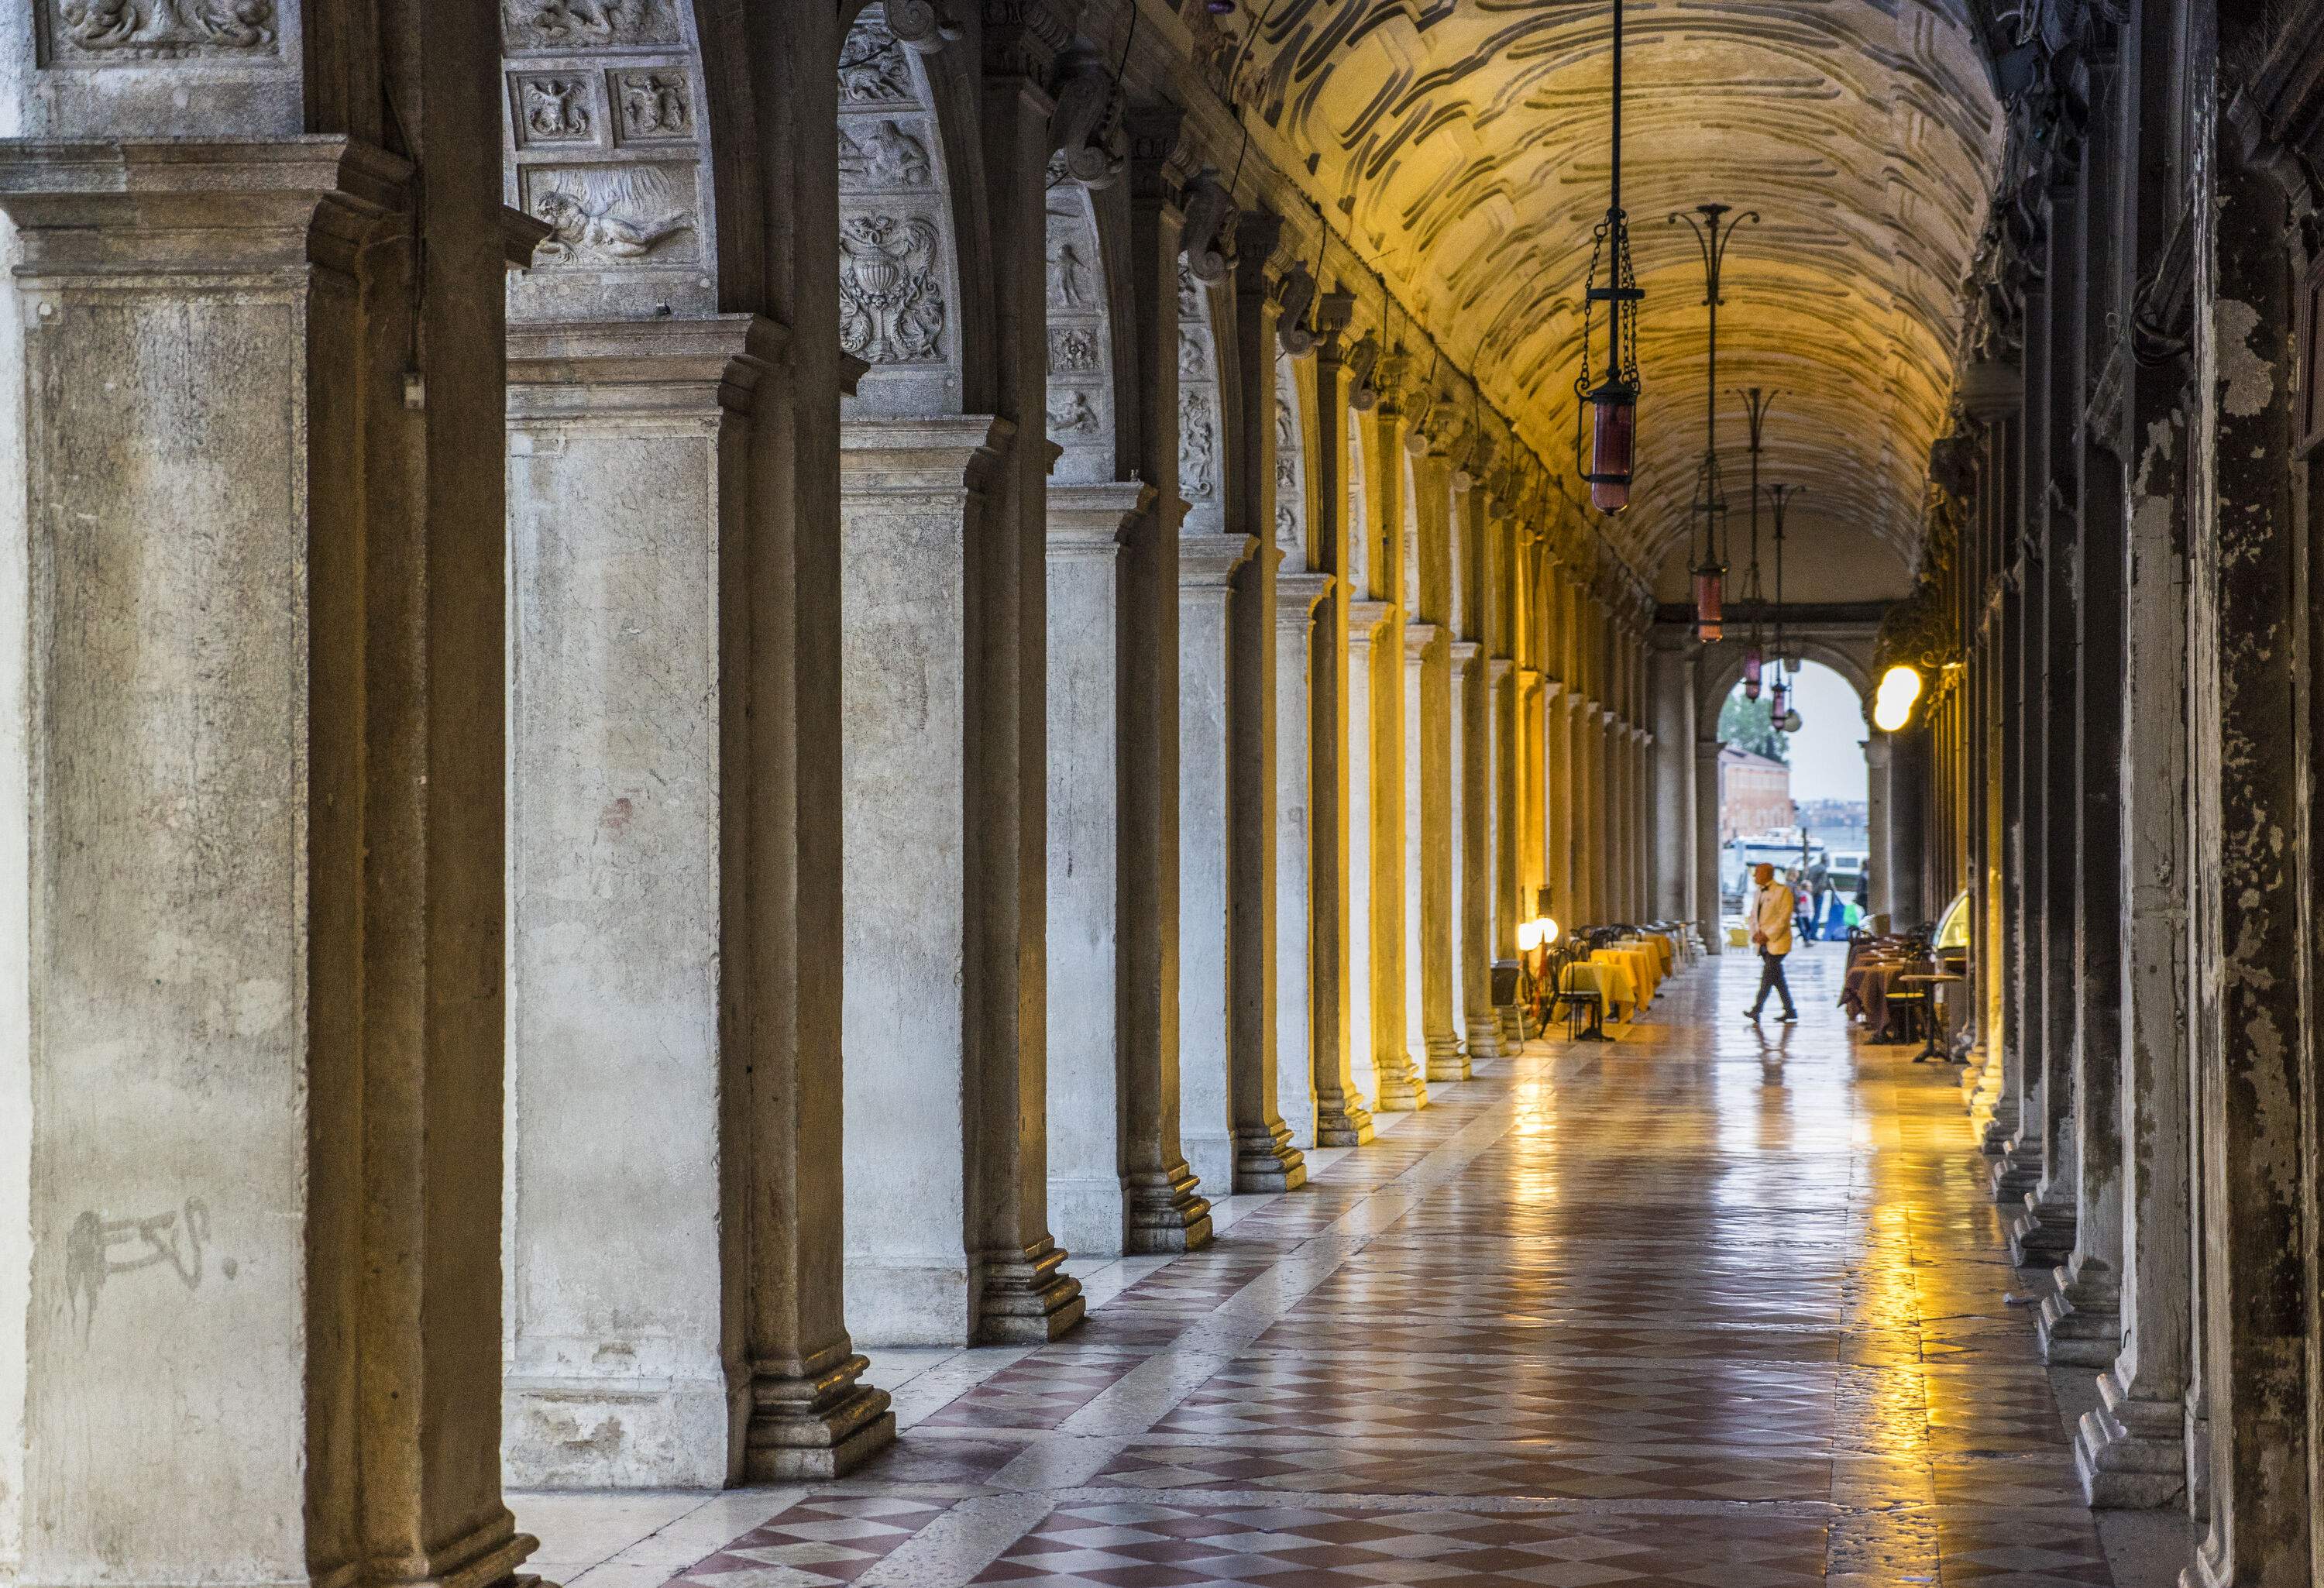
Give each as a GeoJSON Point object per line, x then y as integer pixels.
{"type": "Point", "coordinates": [1463, 145]}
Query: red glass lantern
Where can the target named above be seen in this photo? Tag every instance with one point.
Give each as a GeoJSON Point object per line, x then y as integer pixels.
{"type": "Point", "coordinates": [1753, 666]}
{"type": "Point", "coordinates": [1613, 420]}
{"type": "Point", "coordinates": [1775, 706]}
{"type": "Point", "coordinates": [1709, 584]}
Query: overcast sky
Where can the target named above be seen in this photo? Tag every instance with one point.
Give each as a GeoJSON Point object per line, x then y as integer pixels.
{"type": "Point", "coordinates": [1828, 751]}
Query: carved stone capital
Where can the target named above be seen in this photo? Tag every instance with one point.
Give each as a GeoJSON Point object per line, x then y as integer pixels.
{"type": "Point", "coordinates": [1208, 238]}
{"type": "Point", "coordinates": [1091, 147]}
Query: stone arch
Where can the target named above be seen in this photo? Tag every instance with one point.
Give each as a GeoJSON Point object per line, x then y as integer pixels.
{"type": "Point", "coordinates": [1851, 659]}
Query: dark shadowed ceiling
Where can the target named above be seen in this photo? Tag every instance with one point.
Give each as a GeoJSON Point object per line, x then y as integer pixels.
{"type": "Point", "coordinates": [1463, 146]}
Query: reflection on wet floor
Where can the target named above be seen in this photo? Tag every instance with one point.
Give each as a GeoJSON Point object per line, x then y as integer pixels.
{"type": "Point", "coordinates": [1715, 1303]}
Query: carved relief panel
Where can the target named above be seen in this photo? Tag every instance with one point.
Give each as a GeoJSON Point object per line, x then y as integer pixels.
{"type": "Point", "coordinates": [162, 68]}
{"type": "Point", "coordinates": [114, 32]}
{"type": "Point", "coordinates": [1081, 349]}
{"type": "Point", "coordinates": [606, 145]}
{"type": "Point", "coordinates": [897, 290]}
{"type": "Point", "coordinates": [1199, 437]}
{"type": "Point", "coordinates": [1290, 472]}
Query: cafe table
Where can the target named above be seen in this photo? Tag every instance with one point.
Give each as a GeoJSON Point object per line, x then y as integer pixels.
{"type": "Point", "coordinates": [1609, 979]}
{"type": "Point", "coordinates": [1638, 962]}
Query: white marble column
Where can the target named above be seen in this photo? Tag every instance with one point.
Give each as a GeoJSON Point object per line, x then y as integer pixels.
{"type": "Point", "coordinates": [912, 491]}
{"type": "Point", "coordinates": [1671, 758]}
{"type": "Point", "coordinates": [622, 1374]}
{"type": "Point", "coordinates": [1710, 906]}
{"type": "Point", "coordinates": [1296, 596]}
{"type": "Point", "coordinates": [1206, 566]}
{"type": "Point", "coordinates": [1367, 620]}
{"type": "Point", "coordinates": [1086, 1210]}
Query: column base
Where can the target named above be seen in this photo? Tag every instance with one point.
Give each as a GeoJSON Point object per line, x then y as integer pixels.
{"type": "Point", "coordinates": [640, 1432]}
{"type": "Point", "coordinates": [2016, 1170]}
{"type": "Point", "coordinates": [1265, 1161]}
{"type": "Point", "coordinates": [1166, 1213]}
{"type": "Point", "coordinates": [818, 1424]}
{"type": "Point", "coordinates": [1485, 1036]}
{"type": "Point", "coordinates": [2081, 1318]}
{"type": "Point", "coordinates": [2131, 1454]}
{"type": "Point", "coordinates": [1027, 1297]}
{"type": "Point", "coordinates": [1403, 1089]}
{"type": "Point", "coordinates": [2043, 1235]}
{"type": "Point", "coordinates": [1512, 1020]}
{"type": "Point", "coordinates": [1346, 1123]}
{"type": "Point", "coordinates": [1447, 1061]}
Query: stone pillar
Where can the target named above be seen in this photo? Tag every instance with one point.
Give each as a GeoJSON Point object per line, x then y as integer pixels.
{"type": "Point", "coordinates": [1367, 620]}
{"type": "Point", "coordinates": [1206, 567]}
{"type": "Point", "coordinates": [1086, 1208]}
{"type": "Point", "coordinates": [1534, 698]}
{"type": "Point", "coordinates": [1474, 699]}
{"type": "Point", "coordinates": [627, 475]}
{"type": "Point", "coordinates": [2044, 1234]}
{"type": "Point", "coordinates": [1342, 1116]}
{"type": "Point", "coordinates": [1436, 910]}
{"type": "Point", "coordinates": [1500, 674]}
{"type": "Point", "coordinates": [1672, 760]}
{"type": "Point", "coordinates": [1880, 842]}
{"type": "Point", "coordinates": [2132, 1451]}
{"type": "Point", "coordinates": [2080, 1322]}
{"type": "Point", "coordinates": [1166, 1212]}
{"type": "Point", "coordinates": [2250, 1016]}
{"type": "Point", "coordinates": [1709, 904]}
{"type": "Point", "coordinates": [1557, 813]}
{"type": "Point", "coordinates": [1295, 599]}
{"type": "Point", "coordinates": [1399, 1082]}
{"type": "Point", "coordinates": [263, 630]}
{"type": "Point", "coordinates": [1418, 637]}
{"type": "Point", "coordinates": [1265, 1160]}
{"type": "Point", "coordinates": [918, 499]}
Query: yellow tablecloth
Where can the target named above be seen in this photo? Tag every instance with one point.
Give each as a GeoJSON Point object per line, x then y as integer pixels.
{"type": "Point", "coordinates": [1637, 962]}
{"type": "Point", "coordinates": [1609, 980]}
{"type": "Point", "coordinates": [1666, 953]}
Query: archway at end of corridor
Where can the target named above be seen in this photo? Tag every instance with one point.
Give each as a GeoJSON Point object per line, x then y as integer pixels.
{"type": "Point", "coordinates": [1796, 791]}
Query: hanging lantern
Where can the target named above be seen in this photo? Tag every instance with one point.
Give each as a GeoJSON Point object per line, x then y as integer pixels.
{"type": "Point", "coordinates": [1776, 703]}
{"type": "Point", "coordinates": [1753, 666]}
{"type": "Point", "coordinates": [1606, 416]}
{"type": "Point", "coordinates": [1709, 584]}
{"type": "Point", "coordinates": [1791, 722]}
{"type": "Point", "coordinates": [1714, 232]}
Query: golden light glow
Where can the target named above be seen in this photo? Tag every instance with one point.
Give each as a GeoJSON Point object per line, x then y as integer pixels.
{"type": "Point", "coordinates": [1892, 707]}
{"type": "Point", "coordinates": [1537, 933]}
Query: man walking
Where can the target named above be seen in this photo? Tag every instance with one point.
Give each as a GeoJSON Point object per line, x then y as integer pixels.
{"type": "Point", "coordinates": [1771, 934]}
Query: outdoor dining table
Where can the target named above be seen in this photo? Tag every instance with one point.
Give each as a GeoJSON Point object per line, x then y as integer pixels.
{"type": "Point", "coordinates": [1665, 952]}
{"type": "Point", "coordinates": [1868, 983]}
{"type": "Point", "coordinates": [1609, 979]}
{"type": "Point", "coordinates": [1638, 962]}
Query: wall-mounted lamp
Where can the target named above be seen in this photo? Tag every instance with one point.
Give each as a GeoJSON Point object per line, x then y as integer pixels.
{"type": "Point", "coordinates": [1892, 706]}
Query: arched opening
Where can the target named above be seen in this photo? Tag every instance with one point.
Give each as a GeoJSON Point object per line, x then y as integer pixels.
{"type": "Point", "coordinates": [1794, 792]}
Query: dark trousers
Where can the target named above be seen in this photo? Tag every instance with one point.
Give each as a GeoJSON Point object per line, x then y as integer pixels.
{"type": "Point", "coordinates": [1771, 975]}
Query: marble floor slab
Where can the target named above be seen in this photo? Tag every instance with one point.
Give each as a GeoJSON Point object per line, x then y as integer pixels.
{"type": "Point", "coordinates": [1714, 1304]}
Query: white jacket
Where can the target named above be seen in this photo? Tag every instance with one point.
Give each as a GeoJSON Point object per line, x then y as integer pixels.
{"type": "Point", "coordinates": [1771, 917]}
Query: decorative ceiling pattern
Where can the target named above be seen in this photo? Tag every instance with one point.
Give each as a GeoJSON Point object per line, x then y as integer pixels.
{"type": "Point", "coordinates": [1463, 147]}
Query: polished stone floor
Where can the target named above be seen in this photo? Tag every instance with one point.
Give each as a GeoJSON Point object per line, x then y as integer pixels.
{"type": "Point", "coordinates": [1712, 1304]}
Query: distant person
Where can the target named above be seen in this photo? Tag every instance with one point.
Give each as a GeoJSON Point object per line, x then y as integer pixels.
{"type": "Point", "coordinates": [1771, 934]}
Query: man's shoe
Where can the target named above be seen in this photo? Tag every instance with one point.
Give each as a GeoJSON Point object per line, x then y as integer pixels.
{"type": "Point", "coordinates": [1790, 1017]}
{"type": "Point", "coordinates": [1750, 1014]}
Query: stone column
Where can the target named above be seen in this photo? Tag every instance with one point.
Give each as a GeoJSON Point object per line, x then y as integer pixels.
{"type": "Point", "coordinates": [1534, 707]}
{"type": "Point", "coordinates": [262, 632]}
{"type": "Point", "coordinates": [1265, 1160]}
{"type": "Point", "coordinates": [1295, 599]}
{"type": "Point", "coordinates": [2132, 1451]}
{"type": "Point", "coordinates": [1708, 903]}
{"type": "Point", "coordinates": [1880, 842]}
{"type": "Point", "coordinates": [2253, 1083]}
{"type": "Point", "coordinates": [1436, 909]}
{"type": "Point", "coordinates": [2044, 1233]}
{"type": "Point", "coordinates": [1558, 815]}
{"type": "Point", "coordinates": [1206, 567]}
{"type": "Point", "coordinates": [1671, 758]}
{"type": "Point", "coordinates": [917, 501]}
{"type": "Point", "coordinates": [1342, 1116]}
{"type": "Point", "coordinates": [2080, 1322]}
{"type": "Point", "coordinates": [1166, 1213]}
{"type": "Point", "coordinates": [1475, 834]}
{"type": "Point", "coordinates": [1086, 1208]}
{"type": "Point", "coordinates": [1418, 637]}
{"type": "Point", "coordinates": [1366, 622]}
{"type": "Point", "coordinates": [627, 476]}
{"type": "Point", "coordinates": [1500, 674]}
{"type": "Point", "coordinates": [1399, 1082]}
